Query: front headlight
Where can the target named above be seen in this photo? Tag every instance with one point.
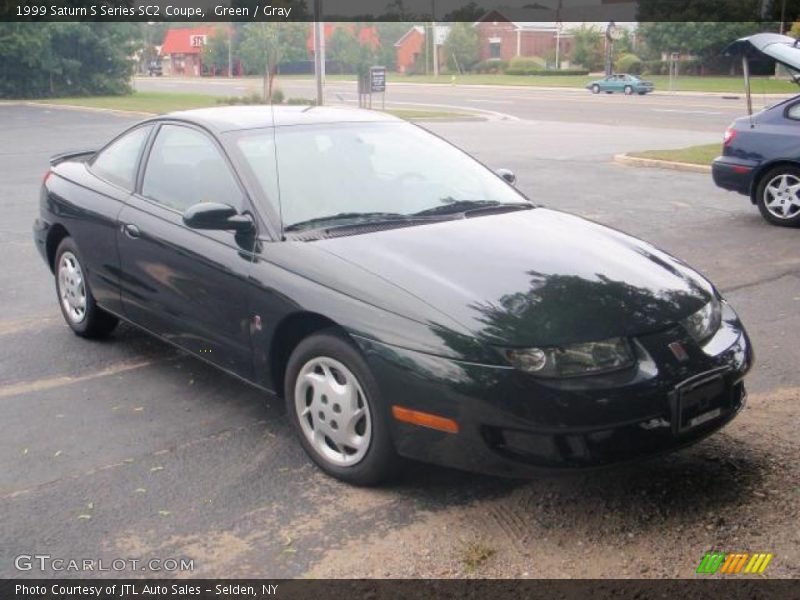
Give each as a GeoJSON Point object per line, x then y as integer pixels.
{"type": "Point", "coordinates": [589, 358]}
{"type": "Point", "coordinates": [705, 322]}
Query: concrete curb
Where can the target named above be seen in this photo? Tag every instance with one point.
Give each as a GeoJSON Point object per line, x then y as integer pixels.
{"type": "Point", "coordinates": [468, 114]}
{"type": "Point", "coordinates": [653, 163]}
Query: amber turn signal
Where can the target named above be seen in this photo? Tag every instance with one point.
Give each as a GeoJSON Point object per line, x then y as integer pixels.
{"type": "Point", "coordinates": [424, 419]}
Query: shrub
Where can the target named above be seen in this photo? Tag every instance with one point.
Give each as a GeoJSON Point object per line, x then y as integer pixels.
{"type": "Point", "coordinates": [301, 102]}
{"type": "Point", "coordinates": [277, 96]}
{"type": "Point", "coordinates": [687, 66]}
{"type": "Point", "coordinates": [629, 63]}
{"type": "Point", "coordinates": [544, 72]}
{"type": "Point", "coordinates": [253, 98]}
{"type": "Point", "coordinates": [491, 66]}
{"type": "Point", "coordinates": [526, 62]}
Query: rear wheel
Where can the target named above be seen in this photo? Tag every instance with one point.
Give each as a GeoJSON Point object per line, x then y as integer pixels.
{"type": "Point", "coordinates": [628, 90]}
{"type": "Point", "coordinates": [778, 196]}
{"type": "Point", "coordinates": [75, 298]}
{"type": "Point", "coordinates": [333, 401]}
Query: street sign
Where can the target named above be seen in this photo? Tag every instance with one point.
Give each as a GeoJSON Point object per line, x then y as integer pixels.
{"type": "Point", "coordinates": [377, 79]}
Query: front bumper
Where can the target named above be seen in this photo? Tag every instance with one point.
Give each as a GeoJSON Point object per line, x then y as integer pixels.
{"type": "Point", "coordinates": [513, 424]}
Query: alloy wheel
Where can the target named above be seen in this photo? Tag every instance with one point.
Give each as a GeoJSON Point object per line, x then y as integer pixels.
{"type": "Point", "coordinates": [781, 196]}
{"type": "Point", "coordinates": [333, 411]}
{"type": "Point", "coordinates": [71, 288]}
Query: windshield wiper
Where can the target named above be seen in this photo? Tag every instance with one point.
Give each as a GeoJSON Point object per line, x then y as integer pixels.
{"type": "Point", "coordinates": [318, 222]}
{"type": "Point", "coordinates": [464, 206]}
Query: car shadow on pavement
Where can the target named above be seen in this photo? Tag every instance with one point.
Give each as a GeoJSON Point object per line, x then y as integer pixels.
{"type": "Point", "coordinates": [715, 475]}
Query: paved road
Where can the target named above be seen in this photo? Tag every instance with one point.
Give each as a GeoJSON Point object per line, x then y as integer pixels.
{"type": "Point", "coordinates": [128, 449]}
{"type": "Point", "coordinates": [698, 112]}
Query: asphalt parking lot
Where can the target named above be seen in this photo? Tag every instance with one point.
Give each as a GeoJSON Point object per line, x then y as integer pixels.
{"type": "Point", "coordinates": [128, 449]}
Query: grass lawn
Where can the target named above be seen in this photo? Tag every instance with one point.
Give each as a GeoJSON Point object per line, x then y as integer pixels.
{"type": "Point", "coordinates": [696, 155]}
{"type": "Point", "coordinates": [151, 102]}
{"type": "Point", "coordinates": [760, 85]}
{"type": "Point", "coordinates": [164, 102]}
{"type": "Point", "coordinates": [424, 115]}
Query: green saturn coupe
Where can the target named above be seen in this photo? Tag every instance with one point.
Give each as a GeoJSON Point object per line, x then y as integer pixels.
{"type": "Point", "coordinates": [627, 84]}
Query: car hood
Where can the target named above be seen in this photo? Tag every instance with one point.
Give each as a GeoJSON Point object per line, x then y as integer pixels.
{"type": "Point", "coordinates": [535, 277]}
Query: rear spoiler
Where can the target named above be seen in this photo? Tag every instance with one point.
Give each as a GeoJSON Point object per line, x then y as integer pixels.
{"type": "Point", "coordinates": [70, 155]}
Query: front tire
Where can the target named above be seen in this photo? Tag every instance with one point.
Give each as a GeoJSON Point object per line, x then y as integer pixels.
{"type": "Point", "coordinates": [595, 89]}
{"type": "Point", "coordinates": [778, 196]}
{"type": "Point", "coordinates": [75, 297]}
{"type": "Point", "coordinates": [334, 403]}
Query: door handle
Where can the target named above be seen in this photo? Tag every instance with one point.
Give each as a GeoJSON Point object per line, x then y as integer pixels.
{"type": "Point", "coordinates": [132, 231]}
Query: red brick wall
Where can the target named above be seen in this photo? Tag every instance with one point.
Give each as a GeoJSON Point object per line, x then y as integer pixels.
{"type": "Point", "coordinates": [411, 46]}
{"type": "Point", "coordinates": [532, 43]}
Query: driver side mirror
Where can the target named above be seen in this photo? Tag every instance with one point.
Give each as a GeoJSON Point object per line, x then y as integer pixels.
{"type": "Point", "coordinates": [214, 215]}
{"type": "Point", "coordinates": [508, 175]}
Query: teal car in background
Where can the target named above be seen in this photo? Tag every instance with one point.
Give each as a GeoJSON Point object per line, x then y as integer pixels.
{"type": "Point", "coordinates": [627, 84]}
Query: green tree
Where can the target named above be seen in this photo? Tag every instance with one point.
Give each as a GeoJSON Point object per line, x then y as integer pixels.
{"type": "Point", "coordinates": [215, 52]}
{"type": "Point", "coordinates": [588, 47]}
{"type": "Point", "coordinates": [708, 11]}
{"type": "Point", "coordinates": [345, 48]}
{"type": "Point", "coordinates": [342, 47]}
{"type": "Point", "coordinates": [265, 44]}
{"type": "Point", "coordinates": [388, 33]}
{"type": "Point", "coordinates": [60, 59]}
{"type": "Point", "coordinates": [706, 40]}
{"type": "Point", "coordinates": [463, 46]}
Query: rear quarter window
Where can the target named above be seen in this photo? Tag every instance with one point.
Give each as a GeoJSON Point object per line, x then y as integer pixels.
{"type": "Point", "coordinates": [793, 112]}
{"type": "Point", "coordinates": [117, 162]}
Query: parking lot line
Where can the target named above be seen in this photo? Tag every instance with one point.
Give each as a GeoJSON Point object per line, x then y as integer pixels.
{"type": "Point", "coordinates": [39, 385]}
{"type": "Point", "coordinates": [26, 324]}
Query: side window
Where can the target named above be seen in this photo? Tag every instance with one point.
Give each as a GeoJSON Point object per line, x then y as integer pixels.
{"type": "Point", "coordinates": [185, 168]}
{"type": "Point", "coordinates": [794, 112]}
{"type": "Point", "coordinates": [117, 163]}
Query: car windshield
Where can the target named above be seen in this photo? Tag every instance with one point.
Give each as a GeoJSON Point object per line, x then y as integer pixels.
{"type": "Point", "coordinates": [363, 172]}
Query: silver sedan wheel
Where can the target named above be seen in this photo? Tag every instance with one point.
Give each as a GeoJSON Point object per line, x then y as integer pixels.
{"type": "Point", "coordinates": [71, 288]}
{"type": "Point", "coordinates": [781, 196]}
{"type": "Point", "coordinates": [333, 411]}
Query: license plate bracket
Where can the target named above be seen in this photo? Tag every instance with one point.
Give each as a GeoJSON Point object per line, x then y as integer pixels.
{"type": "Point", "coordinates": [699, 401]}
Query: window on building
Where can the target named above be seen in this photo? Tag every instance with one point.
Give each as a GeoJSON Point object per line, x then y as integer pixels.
{"type": "Point", "coordinates": [494, 49]}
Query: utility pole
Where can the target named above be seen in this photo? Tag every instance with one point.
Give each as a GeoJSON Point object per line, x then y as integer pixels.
{"type": "Point", "coordinates": [433, 38]}
{"type": "Point", "coordinates": [558, 45]}
{"type": "Point", "coordinates": [230, 57]}
{"type": "Point", "coordinates": [319, 50]}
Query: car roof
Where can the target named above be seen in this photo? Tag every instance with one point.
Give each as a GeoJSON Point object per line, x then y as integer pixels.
{"type": "Point", "coordinates": [233, 118]}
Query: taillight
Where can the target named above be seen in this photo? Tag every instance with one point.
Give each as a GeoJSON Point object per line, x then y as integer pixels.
{"type": "Point", "coordinates": [730, 135]}
{"type": "Point", "coordinates": [46, 176]}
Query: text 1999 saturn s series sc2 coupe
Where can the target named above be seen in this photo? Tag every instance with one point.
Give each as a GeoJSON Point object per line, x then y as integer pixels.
{"type": "Point", "coordinates": [402, 298]}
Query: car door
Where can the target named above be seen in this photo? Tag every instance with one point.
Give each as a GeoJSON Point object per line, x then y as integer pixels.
{"type": "Point", "coordinates": [610, 83]}
{"type": "Point", "coordinates": [189, 286]}
{"type": "Point", "coordinates": [103, 186]}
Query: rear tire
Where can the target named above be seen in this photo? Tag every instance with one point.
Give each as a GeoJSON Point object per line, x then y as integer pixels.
{"type": "Point", "coordinates": [778, 196]}
{"type": "Point", "coordinates": [628, 90]}
{"type": "Point", "coordinates": [75, 297]}
{"type": "Point", "coordinates": [334, 403]}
